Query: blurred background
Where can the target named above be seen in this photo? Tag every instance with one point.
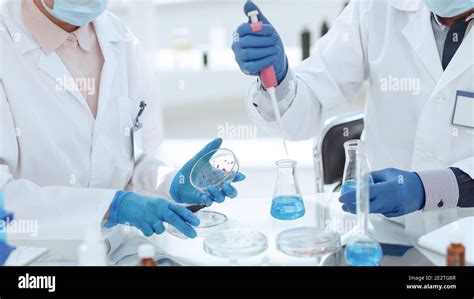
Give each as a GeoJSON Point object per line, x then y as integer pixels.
{"type": "Point", "coordinates": [201, 89]}
{"type": "Point", "coordinates": [189, 42]}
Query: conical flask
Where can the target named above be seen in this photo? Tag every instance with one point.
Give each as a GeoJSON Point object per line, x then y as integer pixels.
{"type": "Point", "coordinates": [363, 249]}
{"type": "Point", "coordinates": [350, 167]}
{"type": "Point", "coordinates": [287, 202]}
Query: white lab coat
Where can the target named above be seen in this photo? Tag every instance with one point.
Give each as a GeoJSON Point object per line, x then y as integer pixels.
{"type": "Point", "coordinates": [59, 165]}
{"type": "Point", "coordinates": [374, 41]}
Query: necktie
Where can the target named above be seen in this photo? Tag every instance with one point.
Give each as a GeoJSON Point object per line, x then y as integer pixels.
{"type": "Point", "coordinates": [453, 41]}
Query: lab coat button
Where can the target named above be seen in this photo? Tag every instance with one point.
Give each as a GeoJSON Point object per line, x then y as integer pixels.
{"type": "Point", "coordinates": [440, 204]}
{"type": "Point", "coordinates": [72, 41]}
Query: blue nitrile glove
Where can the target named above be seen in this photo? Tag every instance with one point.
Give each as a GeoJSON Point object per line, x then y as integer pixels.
{"type": "Point", "coordinates": [148, 214]}
{"type": "Point", "coordinates": [183, 192]}
{"type": "Point", "coordinates": [5, 251]}
{"type": "Point", "coordinates": [255, 51]}
{"type": "Point", "coordinates": [5, 218]}
{"type": "Point", "coordinates": [395, 193]}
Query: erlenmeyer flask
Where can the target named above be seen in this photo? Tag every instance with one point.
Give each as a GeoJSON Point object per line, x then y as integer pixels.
{"type": "Point", "coordinates": [287, 202]}
{"type": "Point", "coordinates": [350, 168]}
{"type": "Point", "coordinates": [363, 249]}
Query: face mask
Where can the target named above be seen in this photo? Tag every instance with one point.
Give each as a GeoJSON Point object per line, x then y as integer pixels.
{"type": "Point", "coordinates": [449, 8]}
{"type": "Point", "coordinates": [77, 12]}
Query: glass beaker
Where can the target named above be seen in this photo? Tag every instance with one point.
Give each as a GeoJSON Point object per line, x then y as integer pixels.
{"type": "Point", "coordinates": [287, 201]}
{"type": "Point", "coordinates": [362, 249]}
{"type": "Point", "coordinates": [350, 167]}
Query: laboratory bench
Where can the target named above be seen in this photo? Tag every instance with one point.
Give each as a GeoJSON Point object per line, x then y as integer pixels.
{"type": "Point", "coordinates": [253, 213]}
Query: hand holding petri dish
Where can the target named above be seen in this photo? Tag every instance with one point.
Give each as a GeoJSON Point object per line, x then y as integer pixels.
{"type": "Point", "coordinates": [213, 169]}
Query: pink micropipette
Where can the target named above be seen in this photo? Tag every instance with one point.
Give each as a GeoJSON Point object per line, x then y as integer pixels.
{"type": "Point", "coordinates": [268, 77]}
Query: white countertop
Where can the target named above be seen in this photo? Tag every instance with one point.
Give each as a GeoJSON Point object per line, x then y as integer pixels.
{"type": "Point", "coordinates": [254, 213]}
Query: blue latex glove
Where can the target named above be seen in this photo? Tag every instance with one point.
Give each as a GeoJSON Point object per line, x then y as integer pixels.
{"type": "Point", "coordinates": [5, 251]}
{"type": "Point", "coordinates": [148, 214]}
{"type": "Point", "coordinates": [395, 193]}
{"type": "Point", "coordinates": [183, 192]}
{"type": "Point", "coordinates": [255, 51]}
{"type": "Point", "coordinates": [5, 218]}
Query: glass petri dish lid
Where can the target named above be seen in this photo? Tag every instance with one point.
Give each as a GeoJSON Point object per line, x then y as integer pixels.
{"type": "Point", "coordinates": [307, 242]}
{"type": "Point", "coordinates": [236, 243]}
{"type": "Point", "coordinates": [213, 169]}
{"type": "Point", "coordinates": [210, 222]}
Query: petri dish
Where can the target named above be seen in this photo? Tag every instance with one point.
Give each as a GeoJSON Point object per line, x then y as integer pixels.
{"type": "Point", "coordinates": [307, 242]}
{"type": "Point", "coordinates": [233, 244]}
{"type": "Point", "coordinates": [213, 169]}
{"type": "Point", "coordinates": [210, 222]}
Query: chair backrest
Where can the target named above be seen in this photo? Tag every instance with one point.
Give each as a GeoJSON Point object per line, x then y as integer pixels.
{"type": "Point", "coordinates": [330, 145]}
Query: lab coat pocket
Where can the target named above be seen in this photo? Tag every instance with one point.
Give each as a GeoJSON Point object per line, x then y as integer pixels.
{"type": "Point", "coordinates": [462, 140]}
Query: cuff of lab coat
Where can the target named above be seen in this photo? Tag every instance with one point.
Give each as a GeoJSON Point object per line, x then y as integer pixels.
{"type": "Point", "coordinates": [283, 90]}
{"type": "Point", "coordinates": [441, 189]}
{"type": "Point", "coordinates": [285, 94]}
{"type": "Point", "coordinates": [165, 186]}
{"type": "Point", "coordinates": [152, 178]}
{"type": "Point", "coordinates": [114, 237]}
{"type": "Point", "coordinates": [467, 166]}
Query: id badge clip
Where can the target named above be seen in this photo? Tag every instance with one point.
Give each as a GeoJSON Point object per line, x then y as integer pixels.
{"type": "Point", "coordinates": [137, 134]}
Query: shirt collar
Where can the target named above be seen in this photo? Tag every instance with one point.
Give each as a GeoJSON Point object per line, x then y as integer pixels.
{"type": "Point", "coordinates": [48, 35]}
{"type": "Point", "coordinates": [83, 36]}
{"type": "Point", "coordinates": [442, 26]}
{"type": "Point", "coordinates": [438, 21]}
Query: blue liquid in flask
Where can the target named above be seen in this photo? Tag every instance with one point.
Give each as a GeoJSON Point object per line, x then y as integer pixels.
{"type": "Point", "coordinates": [363, 254]}
{"type": "Point", "coordinates": [348, 186]}
{"type": "Point", "coordinates": [287, 207]}
{"type": "Point", "coordinates": [351, 185]}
